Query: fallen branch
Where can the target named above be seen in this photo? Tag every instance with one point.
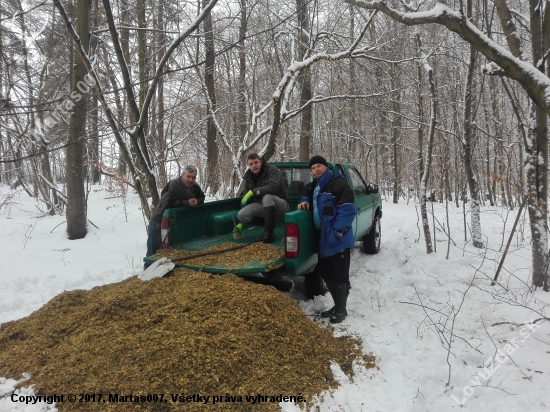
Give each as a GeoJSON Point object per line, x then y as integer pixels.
{"type": "Point", "coordinates": [92, 224]}
{"type": "Point", "coordinates": [509, 241]}
{"type": "Point", "coordinates": [57, 226]}
{"type": "Point", "coordinates": [519, 324]}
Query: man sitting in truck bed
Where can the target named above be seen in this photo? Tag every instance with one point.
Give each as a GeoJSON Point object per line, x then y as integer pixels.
{"type": "Point", "coordinates": [181, 191]}
{"type": "Point", "coordinates": [265, 200]}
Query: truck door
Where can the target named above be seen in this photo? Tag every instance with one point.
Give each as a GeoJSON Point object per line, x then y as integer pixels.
{"type": "Point", "coordinates": [363, 203]}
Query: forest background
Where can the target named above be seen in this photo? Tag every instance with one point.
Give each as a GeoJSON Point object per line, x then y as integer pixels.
{"type": "Point", "coordinates": [443, 100]}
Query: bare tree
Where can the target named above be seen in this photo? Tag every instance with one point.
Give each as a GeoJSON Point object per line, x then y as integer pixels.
{"type": "Point", "coordinates": [212, 169]}
{"type": "Point", "coordinates": [76, 169]}
{"type": "Point", "coordinates": [467, 146]}
{"type": "Point", "coordinates": [304, 79]}
{"type": "Point", "coordinates": [429, 151]}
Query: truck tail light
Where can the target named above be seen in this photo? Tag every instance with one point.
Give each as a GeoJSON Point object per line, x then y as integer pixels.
{"type": "Point", "coordinates": [292, 243]}
{"type": "Point", "coordinates": [164, 232]}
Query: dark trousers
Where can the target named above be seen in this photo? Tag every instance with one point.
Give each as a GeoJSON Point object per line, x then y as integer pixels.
{"type": "Point", "coordinates": [334, 268]}
{"type": "Point", "coordinates": [154, 241]}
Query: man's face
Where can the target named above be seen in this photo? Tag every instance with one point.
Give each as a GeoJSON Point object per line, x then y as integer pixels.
{"type": "Point", "coordinates": [318, 170]}
{"type": "Point", "coordinates": [188, 179]}
{"type": "Point", "coordinates": [255, 165]}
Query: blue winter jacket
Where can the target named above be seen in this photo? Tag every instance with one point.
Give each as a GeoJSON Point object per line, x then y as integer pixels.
{"type": "Point", "coordinates": [336, 210]}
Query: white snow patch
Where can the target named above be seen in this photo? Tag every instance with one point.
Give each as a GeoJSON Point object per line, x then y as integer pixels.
{"type": "Point", "coordinates": [384, 306]}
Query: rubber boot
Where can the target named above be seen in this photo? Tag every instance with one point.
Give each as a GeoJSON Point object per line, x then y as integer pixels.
{"type": "Point", "coordinates": [331, 285]}
{"type": "Point", "coordinates": [268, 236]}
{"type": "Point", "coordinates": [341, 301]}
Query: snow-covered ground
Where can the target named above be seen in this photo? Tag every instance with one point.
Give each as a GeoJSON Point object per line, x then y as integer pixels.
{"type": "Point", "coordinates": [404, 304]}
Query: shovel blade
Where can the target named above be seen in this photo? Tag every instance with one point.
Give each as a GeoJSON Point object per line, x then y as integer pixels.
{"type": "Point", "coordinates": [158, 269]}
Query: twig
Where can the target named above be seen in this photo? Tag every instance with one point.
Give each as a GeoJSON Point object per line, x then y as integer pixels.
{"type": "Point", "coordinates": [92, 224]}
{"type": "Point", "coordinates": [433, 277]}
{"type": "Point", "coordinates": [443, 228]}
{"type": "Point", "coordinates": [494, 387]}
{"type": "Point", "coordinates": [490, 337]}
{"type": "Point", "coordinates": [422, 306]}
{"type": "Point", "coordinates": [519, 324]}
{"type": "Point", "coordinates": [29, 236]}
{"type": "Point", "coordinates": [508, 244]}
{"type": "Point", "coordinates": [57, 226]}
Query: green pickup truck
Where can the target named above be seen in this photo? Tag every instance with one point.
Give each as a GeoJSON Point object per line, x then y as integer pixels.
{"type": "Point", "coordinates": [211, 224]}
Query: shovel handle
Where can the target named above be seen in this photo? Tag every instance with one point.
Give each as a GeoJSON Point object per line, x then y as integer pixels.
{"type": "Point", "coordinates": [213, 252]}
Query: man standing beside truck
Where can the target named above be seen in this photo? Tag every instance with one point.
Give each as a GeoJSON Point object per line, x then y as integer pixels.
{"type": "Point", "coordinates": [331, 200]}
{"type": "Point", "coordinates": [181, 191]}
{"type": "Point", "coordinates": [265, 200]}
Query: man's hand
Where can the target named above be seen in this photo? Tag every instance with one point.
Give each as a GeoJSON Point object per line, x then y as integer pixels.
{"type": "Point", "coordinates": [303, 206]}
{"type": "Point", "coordinates": [193, 202]}
{"type": "Point", "coordinates": [247, 198]}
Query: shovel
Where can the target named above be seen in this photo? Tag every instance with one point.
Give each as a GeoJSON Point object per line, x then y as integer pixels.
{"type": "Point", "coordinates": [165, 265]}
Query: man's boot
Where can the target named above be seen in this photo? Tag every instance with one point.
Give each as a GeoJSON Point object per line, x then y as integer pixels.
{"type": "Point", "coordinates": [268, 236]}
{"type": "Point", "coordinates": [238, 231]}
{"type": "Point", "coordinates": [341, 301]}
{"type": "Point", "coordinates": [331, 285]}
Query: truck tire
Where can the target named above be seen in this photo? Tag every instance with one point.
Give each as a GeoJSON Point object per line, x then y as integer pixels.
{"type": "Point", "coordinates": [371, 241]}
{"type": "Point", "coordinates": [314, 285]}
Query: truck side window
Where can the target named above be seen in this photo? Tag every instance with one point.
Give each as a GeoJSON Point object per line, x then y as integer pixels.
{"type": "Point", "coordinates": [285, 172]}
{"type": "Point", "coordinates": [300, 178]}
{"type": "Point", "coordinates": [359, 187]}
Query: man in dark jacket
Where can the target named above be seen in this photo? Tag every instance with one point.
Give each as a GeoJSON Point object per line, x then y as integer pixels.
{"type": "Point", "coordinates": [331, 200]}
{"type": "Point", "coordinates": [182, 191]}
{"type": "Point", "coordinates": [265, 200]}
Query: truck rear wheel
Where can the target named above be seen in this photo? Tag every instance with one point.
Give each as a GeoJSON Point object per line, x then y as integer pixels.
{"type": "Point", "coordinates": [371, 241]}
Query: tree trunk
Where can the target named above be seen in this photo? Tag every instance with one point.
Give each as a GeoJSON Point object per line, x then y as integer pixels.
{"type": "Point", "coordinates": [160, 135]}
{"type": "Point", "coordinates": [93, 148]}
{"type": "Point", "coordinates": [395, 129]}
{"type": "Point", "coordinates": [75, 168]}
{"type": "Point", "coordinates": [212, 168]}
{"type": "Point", "coordinates": [304, 80]}
{"type": "Point", "coordinates": [546, 48]}
{"type": "Point", "coordinates": [3, 151]}
{"type": "Point", "coordinates": [241, 98]}
{"type": "Point", "coordinates": [467, 142]}
{"type": "Point", "coordinates": [488, 172]}
{"type": "Point", "coordinates": [426, 174]}
{"type": "Point", "coordinates": [420, 126]}
{"type": "Point", "coordinates": [537, 162]}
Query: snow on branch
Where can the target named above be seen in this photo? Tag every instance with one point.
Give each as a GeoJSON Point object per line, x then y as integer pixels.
{"type": "Point", "coordinates": [61, 195]}
{"type": "Point", "coordinates": [492, 69]}
{"type": "Point", "coordinates": [534, 82]}
{"type": "Point", "coordinates": [282, 91]}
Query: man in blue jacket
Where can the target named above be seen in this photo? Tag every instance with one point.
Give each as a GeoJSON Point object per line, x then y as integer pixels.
{"type": "Point", "coordinates": [331, 200]}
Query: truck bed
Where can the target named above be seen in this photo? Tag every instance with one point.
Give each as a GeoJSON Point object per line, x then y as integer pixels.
{"type": "Point", "coordinates": [252, 266]}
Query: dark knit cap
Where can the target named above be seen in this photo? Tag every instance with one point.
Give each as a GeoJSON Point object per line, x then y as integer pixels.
{"type": "Point", "coordinates": [317, 159]}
